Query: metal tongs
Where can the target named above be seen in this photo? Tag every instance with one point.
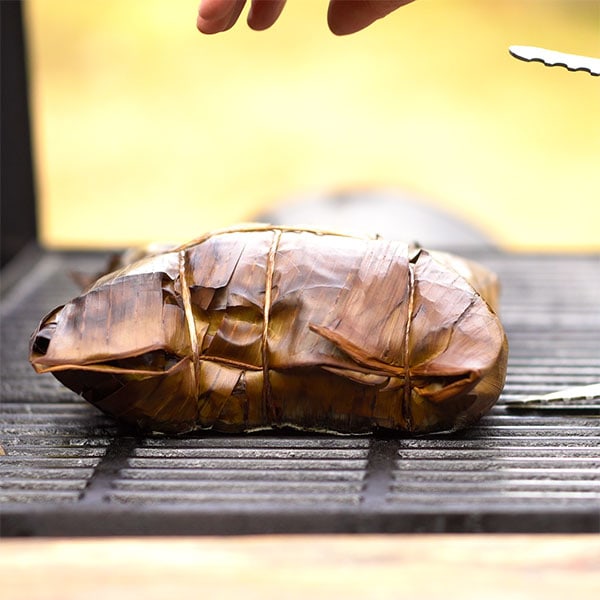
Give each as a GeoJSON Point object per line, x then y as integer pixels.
{"type": "Point", "coordinates": [552, 58]}
{"type": "Point", "coordinates": [580, 398]}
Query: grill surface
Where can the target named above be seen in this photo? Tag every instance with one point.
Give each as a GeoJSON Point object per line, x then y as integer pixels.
{"type": "Point", "coordinates": [68, 470]}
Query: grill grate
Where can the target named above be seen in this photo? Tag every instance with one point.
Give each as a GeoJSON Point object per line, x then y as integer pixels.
{"type": "Point", "coordinates": [68, 470]}
{"type": "Point", "coordinates": [254, 470]}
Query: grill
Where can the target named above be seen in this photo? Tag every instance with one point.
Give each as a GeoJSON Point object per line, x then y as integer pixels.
{"type": "Point", "coordinates": [69, 470]}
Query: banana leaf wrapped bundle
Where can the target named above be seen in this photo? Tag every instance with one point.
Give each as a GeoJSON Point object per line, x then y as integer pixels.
{"type": "Point", "coordinates": [263, 327]}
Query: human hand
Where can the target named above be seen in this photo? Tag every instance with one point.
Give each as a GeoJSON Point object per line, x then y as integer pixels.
{"type": "Point", "coordinates": [343, 16]}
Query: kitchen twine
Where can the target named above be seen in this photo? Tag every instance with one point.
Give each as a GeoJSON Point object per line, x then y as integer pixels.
{"type": "Point", "coordinates": [191, 323]}
{"type": "Point", "coordinates": [189, 315]}
{"type": "Point", "coordinates": [270, 269]}
{"type": "Point", "coordinates": [406, 397]}
{"type": "Point", "coordinates": [269, 272]}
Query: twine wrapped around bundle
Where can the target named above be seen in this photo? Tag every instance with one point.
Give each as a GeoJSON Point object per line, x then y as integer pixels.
{"type": "Point", "coordinates": [264, 326]}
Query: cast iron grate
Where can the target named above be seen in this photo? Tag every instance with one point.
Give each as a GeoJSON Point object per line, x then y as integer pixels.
{"type": "Point", "coordinates": [68, 470]}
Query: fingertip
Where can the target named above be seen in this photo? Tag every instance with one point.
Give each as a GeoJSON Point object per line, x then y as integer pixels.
{"type": "Point", "coordinates": [264, 13]}
{"type": "Point", "coordinates": [208, 21]}
{"type": "Point", "coordinates": [345, 18]}
{"type": "Point", "coordinates": [258, 26]}
{"type": "Point", "coordinates": [212, 27]}
{"type": "Point", "coordinates": [342, 28]}
{"type": "Point", "coordinates": [217, 10]}
{"type": "Point", "coordinates": [208, 27]}
{"type": "Point", "coordinates": [215, 16]}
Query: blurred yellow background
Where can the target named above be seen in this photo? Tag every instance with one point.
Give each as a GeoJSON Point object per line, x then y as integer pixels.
{"type": "Point", "coordinates": [146, 129]}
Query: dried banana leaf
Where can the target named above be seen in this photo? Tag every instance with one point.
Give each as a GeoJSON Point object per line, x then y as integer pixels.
{"type": "Point", "coordinates": [262, 326]}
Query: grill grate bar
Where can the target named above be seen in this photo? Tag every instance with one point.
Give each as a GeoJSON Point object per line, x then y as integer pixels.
{"type": "Point", "coordinates": [269, 454]}
{"type": "Point", "coordinates": [48, 462]}
{"type": "Point", "coordinates": [247, 497]}
{"type": "Point", "coordinates": [318, 442]}
{"type": "Point", "coordinates": [18, 496]}
{"type": "Point", "coordinates": [240, 486]}
{"type": "Point", "coordinates": [251, 464]}
{"type": "Point", "coordinates": [532, 476]}
{"type": "Point", "coordinates": [498, 466]}
{"type": "Point", "coordinates": [237, 474]}
{"type": "Point", "coordinates": [27, 450]}
{"type": "Point", "coordinates": [541, 497]}
{"type": "Point", "coordinates": [502, 454]}
{"type": "Point", "coordinates": [589, 487]}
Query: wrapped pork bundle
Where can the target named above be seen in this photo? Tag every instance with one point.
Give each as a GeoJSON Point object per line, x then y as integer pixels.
{"type": "Point", "coordinates": [265, 326]}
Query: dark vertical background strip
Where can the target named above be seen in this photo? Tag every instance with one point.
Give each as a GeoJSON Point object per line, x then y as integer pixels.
{"type": "Point", "coordinates": [17, 216]}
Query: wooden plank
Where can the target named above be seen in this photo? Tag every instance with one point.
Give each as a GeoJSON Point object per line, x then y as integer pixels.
{"type": "Point", "coordinates": [345, 566]}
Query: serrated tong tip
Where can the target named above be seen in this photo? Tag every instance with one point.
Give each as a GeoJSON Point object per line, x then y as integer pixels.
{"type": "Point", "coordinates": [552, 58]}
{"type": "Point", "coordinates": [576, 398]}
